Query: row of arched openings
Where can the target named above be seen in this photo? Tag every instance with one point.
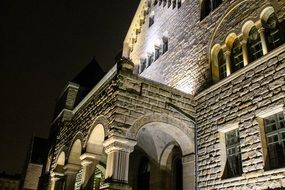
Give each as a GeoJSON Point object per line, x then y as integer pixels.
{"type": "Point", "coordinates": [256, 40]}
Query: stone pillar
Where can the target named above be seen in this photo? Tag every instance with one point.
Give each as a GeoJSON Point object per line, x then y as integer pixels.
{"type": "Point", "coordinates": [54, 178]}
{"type": "Point", "coordinates": [88, 162]}
{"type": "Point", "coordinates": [188, 163]}
{"type": "Point", "coordinates": [228, 61]}
{"type": "Point", "coordinates": [70, 175]}
{"type": "Point", "coordinates": [244, 52]}
{"type": "Point", "coordinates": [263, 40]}
{"type": "Point", "coordinates": [118, 150]}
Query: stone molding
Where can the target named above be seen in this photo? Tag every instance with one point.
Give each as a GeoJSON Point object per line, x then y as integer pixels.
{"type": "Point", "coordinates": [116, 143]}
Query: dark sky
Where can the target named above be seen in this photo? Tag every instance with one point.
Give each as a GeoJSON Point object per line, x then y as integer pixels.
{"type": "Point", "coordinates": [45, 43]}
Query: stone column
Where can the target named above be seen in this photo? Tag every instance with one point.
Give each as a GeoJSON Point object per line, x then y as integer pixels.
{"type": "Point", "coordinates": [263, 40]}
{"type": "Point", "coordinates": [188, 163]}
{"type": "Point", "coordinates": [244, 52]}
{"type": "Point", "coordinates": [70, 172]}
{"type": "Point", "coordinates": [88, 162]}
{"type": "Point", "coordinates": [228, 61]}
{"type": "Point", "coordinates": [54, 178]}
{"type": "Point", "coordinates": [118, 150]}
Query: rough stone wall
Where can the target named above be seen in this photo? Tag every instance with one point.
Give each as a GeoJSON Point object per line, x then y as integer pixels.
{"type": "Point", "coordinates": [239, 99]}
{"type": "Point", "coordinates": [122, 101]}
{"type": "Point", "coordinates": [185, 65]}
{"type": "Point", "coordinates": [32, 176]}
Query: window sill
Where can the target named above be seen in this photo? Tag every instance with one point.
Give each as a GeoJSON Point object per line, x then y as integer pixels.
{"type": "Point", "coordinates": [232, 179]}
{"type": "Point", "coordinates": [274, 171]}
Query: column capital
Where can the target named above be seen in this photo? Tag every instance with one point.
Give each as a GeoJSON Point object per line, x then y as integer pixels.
{"type": "Point", "coordinates": [56, 175]}
{"type": "Point", "coordinates": [243, 41]}
{"type": "Point", "coordinates": [227, 52]}
{"type": "Point", "coordinates": [71, 168]}
{"type": "Point", "coordinates": [89, 158]}
{"type": "Point", "coordinates": [116, 143]}
{"type": "Point", "coordinates": [261, 29]}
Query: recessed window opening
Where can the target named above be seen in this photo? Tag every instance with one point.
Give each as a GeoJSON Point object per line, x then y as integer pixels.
{"type": "Point", "coordinates": [236, 56]}
{"type": "Point", "coordinates": [254, 45]}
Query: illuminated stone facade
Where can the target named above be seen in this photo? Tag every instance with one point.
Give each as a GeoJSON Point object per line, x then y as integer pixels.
{"type": "Point", "coordinates": [197, 104]}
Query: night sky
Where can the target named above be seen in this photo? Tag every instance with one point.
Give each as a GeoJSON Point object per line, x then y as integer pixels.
{"type": "Point", "coordinates": [44, 44]}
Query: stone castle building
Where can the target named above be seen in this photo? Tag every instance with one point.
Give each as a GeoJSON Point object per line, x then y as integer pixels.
{"type": "Point", "coordinates": [196, 102]}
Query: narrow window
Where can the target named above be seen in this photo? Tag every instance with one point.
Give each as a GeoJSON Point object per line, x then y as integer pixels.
{"type": "Point", "coordinates": [272, 31]}
{"type": "Point", "coordinates": [155, 2]}
{"type": "Point", "coordinates": [179, 4]}
{"type": "Point", "coordinates": [150, 59]}
{"type": "Point", "coordinates": [159, 2]}
{"type": "Point", "coordinates": [236, 56]}
{"type": "Point", "coordinates": [222, 65]}
{"type": "Point", "coordinates": [164, 3]}
{"type": "Point", "coordinates": [207, 6]}
{"type": "Point", "coordinates": [165, 45]}
{"type": "Point", "coordinates": [275, 137]}
{"type": "Point", "coordinates": [143, 65]}
{"type": "Point", "coordinates": [151, 20]}
{"type": "Point", "coordinates": [156, 53]}
{"type": "Point", "coordinates": [173, 4]}
{"type": "Point", "coordinates": [254, 45]}
{"type": "Point", "coordinates": [168, 3]}
{"type": "Point", "coordinates": [233, 164]}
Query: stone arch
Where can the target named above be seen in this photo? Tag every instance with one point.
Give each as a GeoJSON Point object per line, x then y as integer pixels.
{"type": "Point", "coordinates": [75, 150]}
{"type": "Point", "coordinates": [165, 155]}
{"type": "Point", "coordinates": [266, 13]}
{"type": "Point", "coordinates": [180, 131]}
{"type": "Point", "coordinates": [61, 156]}
{"type": "Point", "coordinates": [230, 40]}
{"type": "Point", "coordinates": [99, 120]}
{"type": "Point", "coordinates": [215, 63]}
{"type": "Point", "coordinates": [94, 143]}
{"type": "Point", "coordinates": [247, 27]}
{"type": "Point", "coordinates": [220, 22]}
{"type": "Point", "coordinates": [157, 137]}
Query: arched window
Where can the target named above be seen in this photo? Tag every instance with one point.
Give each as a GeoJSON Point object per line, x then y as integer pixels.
{"type": "Point", "coordinates": [179, 4]}
{"type": "Point", "coordinates": [222, 65]}
{"type": "Point", "coordinates": [254, 44]}
{"type": "Point", "coordinates": [173, 4]}
{"type": "Point", "coordinates": [236, 56]}
{"type": "Point", "coordinates": [273, 33]}
{"type": "Point", "coordinates": [208, 6]}
{"type": "Point", "coordinates": [168, 3]}
{"type": "Point", "coordinates": [144, 174]}
{"type": "Point", "coordinates": [164, 45]}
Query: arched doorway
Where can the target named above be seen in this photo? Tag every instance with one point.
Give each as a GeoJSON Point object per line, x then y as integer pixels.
{"type": "Point", "coordinates": [163, 145]}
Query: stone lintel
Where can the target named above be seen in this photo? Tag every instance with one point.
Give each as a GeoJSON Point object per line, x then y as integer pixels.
{"type": "Point", "coordinates": [188, 158]}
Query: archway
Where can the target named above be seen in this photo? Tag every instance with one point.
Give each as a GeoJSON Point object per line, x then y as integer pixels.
{"type": "Point", "coordinates": [92, 175]}
{"type": "Point", "coordinates": [165, 145]}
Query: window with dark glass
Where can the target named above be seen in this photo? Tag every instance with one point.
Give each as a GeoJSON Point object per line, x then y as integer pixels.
{"type": "Point", "coordinates": [154, 2]}
{"type": "Point", "coordinates": [273, 34]}
{"type": "Point", "coordinates": [151, 20]}
{"type": "Point", "coordinates": [164, 3]}
{"type": "Point", "coordinates": [168, 3]}
{"type": "Point", "coordinates": [150, 59]}
{"type": "Point", "coordinates": [156, 53]}
{"type": "Point", "coordinates": [173, 4]}
{"type": "Point", "coordinates": [143, 65]}
{"type": "Point", "coordinates": [254, 45]}
{"type": "Point", "coordinates": [208, 6]}
{"type": "Point", "coordinates": [222, 65]}
{"type": "Point", "coordinates": [274, 127]}
{"type": "Point", "coordinates": [233, 164]}
{"type": "Point", "coordinates": [165, 45]}
{"type": "Point", "coordinates": [179, 4]}
{"type": "Point", "coordinates": [236, 56]}
{"type": "Point", "coordinates": [159, 2]}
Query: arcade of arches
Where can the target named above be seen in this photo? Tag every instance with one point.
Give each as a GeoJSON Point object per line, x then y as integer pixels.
{"type": "Point", "coordinates": [156, 155]}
